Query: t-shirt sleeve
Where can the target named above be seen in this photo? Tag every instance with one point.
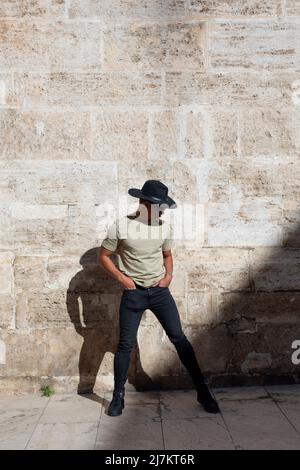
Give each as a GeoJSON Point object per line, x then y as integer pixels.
{"type": "Point", "coordinates": [111, 240]}
{"type": "Point", "coordinates": [169, 240]}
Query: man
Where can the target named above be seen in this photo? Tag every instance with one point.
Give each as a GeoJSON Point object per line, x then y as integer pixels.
{"type": "Point", "coordinates": [143, 244]}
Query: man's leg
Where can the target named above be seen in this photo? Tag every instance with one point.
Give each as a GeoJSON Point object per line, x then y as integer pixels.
{"type": "Point", "coordinates": [131, 309]}
{"type": "Point", "coordinates": [165, 309]}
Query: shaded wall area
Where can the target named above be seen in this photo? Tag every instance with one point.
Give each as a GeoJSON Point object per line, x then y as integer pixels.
{"type": "Point", "coordinates": [202, 95]}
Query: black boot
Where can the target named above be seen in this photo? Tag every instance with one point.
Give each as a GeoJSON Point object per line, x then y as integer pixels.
{"type": "Point", "coordinates": [205, 398]}
{"type": "Point", "coordinates": [117, 403]}
{"type": "Point", "coordinates": [187, 356]}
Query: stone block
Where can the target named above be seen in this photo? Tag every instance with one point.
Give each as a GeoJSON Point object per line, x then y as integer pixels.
{"type": "Point", "coordinates": [45, 234]}
{"type": "Point", "coordinates": [28, 8]}
{"type": "Point", "coordinates": [135, 176]}
{"type": "Point", "coordinates": [221, 133]}
{"type": "Point", "coordinates": [59, 45]}
{"type": "Point", "coordinates": [6, 227]}
{"type": "Point", "coordinates": [7, 308]}
{"type": "Point", "coordinates": [292, 7]}
{"type": "Point", "coordinates": [88, 89]}
{"type": "Point", "coordinates": [196, 132]}
{"type": "Point", "coordinates": [118, 10]}
{"type": "Point", "coordinates": [177, 286]}
{"type": "Point", "coordinates": [269, 132]}
{"type": "Point", "coordinates": [257, 177]}
{"type": "Point", "coordinates": [235, 8]}
{"type": "Point", "coordinates": [58, 229]}
{"type": "Point", "coordinates": [57, 182]}
{"type": "Point", "coordinates": [261, 45]}
{"type": "Point", "coordinates": [148, 318]}
{"type": "Point", "coordinates": [266, 351]}
{"type": "Point", "coordinates": [14, 385]}
{"type": "Point", "coordinates": [218, 184]}
{"type": "Point", "coordinates": [172, 45]}
{"type": "Point", "coordinates": [7, 290]}
{"type": "Point", "coordinates": [190, 181]}
{"type": "Point", "coordinates": [158, 355]}
{"type": "Point", "coordinates": [26, 353]}
{"type": "Point", "coordinates": [275, 268]}
{"type": "Point", "coordinates": [8, 95]}
{"type": "Point", "coordinates": [181, 303]}
{"type": "Point", "coordinates": [37, 309]}
{"type": "Point", "coordinates": [63, 348]}
{"type": "Point", "coordinates": [44, 135]}
{"type": "Point", "coordinates": [64, 307]}
{"type": "Point", "coordinates": [234, 224]}
{"type": "Point", "coordinates": [258, 307]}
{"type": "Point", "coordinates": [200, 309]}
{"type": "Point", "coordinates": [83, 356]}
{"type": "Point", "coordinates": [209, 133]}
{"type": "Point", "coordinates": [6, 272]}
{"type": "Point", "coordinates": [61, 270]}
{"type": "Point", "coordinates": [228, 89]}
{"type": "Point", "coordinates": [120, 135]}
{"type": "Point", "coordinates": [30, 272]}
{"type": "Point", "coordinates": [290, 224]}
{"type": "Point", "coordinates": [290, 172]}
{"type": "Point", "coordinates": [212, 347]}
{"type": "Point", "coordinates": [164, 131]}
{"type": "Point", "coordinates": [224, 269]}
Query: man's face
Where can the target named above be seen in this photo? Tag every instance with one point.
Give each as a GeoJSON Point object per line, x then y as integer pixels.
{"type": "Point", "coordinates": [154, 210]}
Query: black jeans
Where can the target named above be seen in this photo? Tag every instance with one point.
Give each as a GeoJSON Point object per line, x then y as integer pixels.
{"type": "Point", "coordinates": [161, 302]}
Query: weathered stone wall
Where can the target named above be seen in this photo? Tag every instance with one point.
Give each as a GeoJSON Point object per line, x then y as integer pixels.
{"type": "Point", "coordinates": [97, 96]}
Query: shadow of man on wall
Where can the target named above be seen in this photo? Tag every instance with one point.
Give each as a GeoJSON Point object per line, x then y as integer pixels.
{"type": "Point", "coordinates": [93, 299]}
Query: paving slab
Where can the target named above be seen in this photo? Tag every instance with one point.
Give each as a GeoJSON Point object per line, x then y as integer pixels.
{"type": "Point", "coordinates": [138, 427]}
{"type": "Point", "coordinates": [287, 398]}
{"type": "Point", "coordinates": [281, 392]}
{"type": "Point", "coordinates": [71, 408]}
{"type": "Point", "coordinates": [240, 393]}
{"type": "Point", "coordinates": [17, 402]}
{"type": "Point", "coordinates": [250, 418]}
{"type": "Point", "coordinates": [137, 398]}
{"type": "Point", "coordinates": [18, 419]}
{"type": "Point", "coordinates": [63, 436]}
{"type": "Point", "coordinates": [182, 404]}
{"type": "Point", "coordinates": [196, 434]}
{"type": "Point", "coordinates": [258, 424]}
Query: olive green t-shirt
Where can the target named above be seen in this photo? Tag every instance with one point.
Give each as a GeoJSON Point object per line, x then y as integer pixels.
{"type": "Point", "coordinates": [139, 247]}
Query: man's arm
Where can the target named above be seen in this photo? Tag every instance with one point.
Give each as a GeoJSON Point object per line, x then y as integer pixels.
{"type": "Point", "coordinates": [110, 268]}
{"type": "Point", "coordinates": [168, 263]}
{"type": "Point", "coordinates": [72, 302]}
{"type": "Point", "coordinates": [168, 258]}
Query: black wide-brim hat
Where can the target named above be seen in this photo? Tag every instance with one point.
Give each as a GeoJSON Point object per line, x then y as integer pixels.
{"type": "Point", "coordinates": [154, 191]}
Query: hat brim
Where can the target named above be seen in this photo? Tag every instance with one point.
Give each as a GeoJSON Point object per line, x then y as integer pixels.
{"type": "Point", "coordinates": [135, 192]}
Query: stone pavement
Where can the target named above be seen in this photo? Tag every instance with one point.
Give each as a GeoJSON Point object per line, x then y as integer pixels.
{"type": "Point", "coordinates": [251, 418]}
